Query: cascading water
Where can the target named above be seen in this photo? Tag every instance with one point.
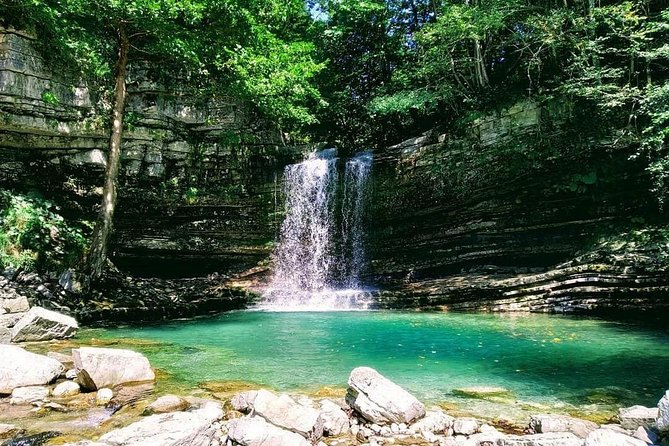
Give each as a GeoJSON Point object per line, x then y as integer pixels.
{"type": "Point", "coordinates": [320, 255]}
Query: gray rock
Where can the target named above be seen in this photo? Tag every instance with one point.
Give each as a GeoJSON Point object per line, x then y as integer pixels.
{"type": "Point", "coordinates": [546, 423]}
{"type": "Point", "coordinates": [435, 421]}
{"type": "Point", "coordinates": [380, 400]}
{"type": "Point", "coordinates": [20, 368]}
{"type": "Point", "coordinates": [663, 415]}
{"type": "Point", "coordinates": [635, 416]}
{"type": "Point", "coordinates": [40, 324]}
{"type": "Point", "coordinates": [608, 437]}
{"type": "Point", "coordinates": [243, 402]}
{"type": "Point", "coordinates": [68, 281]}
{"type": "Point", "coordinates": [65, 389]}
{"type": "Point", "coordinates": [335, 420]}
{"type": "Point", "coordinates": [66, 360]}
{"type": "Point", "coordinates": [465, 426]}
{"type": "Point", "coordinates": [14, 303]}
{"type": "Point", "coordinates": [646, 435]}
{"type": "Point", "coordinates": [108, 367]}
{"type": "Point", "coordinates": [284, 412]}
{"type": "Point", "coordinates": [551, 439]}
{"type": "Point", "coordinates": [258, 432]}
{"type": "Point", "coordinates": [29, 394]}
{"type": "Point", "coordinates": [194, 428]}
{"type": "Point", "coordinates": [166, 404]}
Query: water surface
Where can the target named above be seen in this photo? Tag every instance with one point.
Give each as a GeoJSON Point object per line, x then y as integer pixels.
{"type": "Point", "coordinates": [540, 358]}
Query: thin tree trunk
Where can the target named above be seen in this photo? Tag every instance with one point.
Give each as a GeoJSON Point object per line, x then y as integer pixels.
{"type": "Point", "coordinates": [97, 255]}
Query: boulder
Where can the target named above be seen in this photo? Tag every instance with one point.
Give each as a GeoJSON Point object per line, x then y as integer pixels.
{"type": "Point", "coordinates": [66, 360]}
{"type": "Point", "coordinates": [103, 396]}
{"type": "Point", "coordinates": [335, 420]}
{"type": "Point", "coordinates": [380, 400]}
{"type": "Point", "coordinates": [435, 421]}
{"type": "Point", "coordinates": [194, 428]}
{"type": "Point", "coordinates": [14, 303]}
{"type": "Point", "coordinates": [243, 402]}
{"type": "Point", "coordinates": [40, 324]}
{"type": "Point", "coordinates": [663, 413]}
{"type": "Point", "coordinates": [546, 423]}
{"type": "Point", "coordinates": [20, 368]}
{"type": "Point", "coordinates": [552, 439]}
{"type": "Point", "coordinates": [29, 394]}
{"type": "Point", "coordinates": [608, 437]}
{"type": "Point", "coordinates": [635, 416]}
{"type": "Point", "coordinates": [646, 435]}
{"type": "Point", "coordinates": [108, 367]}
{"type": "Point", "coordinates": [284, 412]}
{"type": "Point", "coordinates": [65, 389]}
{"type": "Point", "coordinates": [258, 432]}
{"type": "Point", "coordinates": [166, 404]}
{"type": "Point", "coordinates": [465, 426]}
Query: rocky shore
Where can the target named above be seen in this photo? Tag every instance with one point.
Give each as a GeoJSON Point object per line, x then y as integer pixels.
{"type": "Point", "coordinates": [108, 397]}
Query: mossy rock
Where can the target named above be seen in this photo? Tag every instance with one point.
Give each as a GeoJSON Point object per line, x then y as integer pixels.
{"type": "Point", "coordinates": [483, 392]}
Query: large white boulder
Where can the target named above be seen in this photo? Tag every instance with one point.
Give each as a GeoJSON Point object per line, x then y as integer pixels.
{"type": "Point", "coordinates": [546, 423]}
{"type": "Point", "coordinates": [40, 324]}
{"type": "Point", "coordinates": [284, 412]}
{"type": "Point", "coordinates": [335, 420]}
{"type": "Point", "coordinates": [108, 367]}
{"type": "Point", "coordinates": [633, 417]}
{"type": "Point", "coordinates": [608, 437]}
{"type": "Point", "coordinates": [19, 368]}
{"type": "Point", "coordinates": [258, 432]}
{"type": "Point", "coordinates": [663, 413]}
{"type": "Point", "coordinates": [195, 428]}
{"type": "Point", "coordinates": [380, 400]}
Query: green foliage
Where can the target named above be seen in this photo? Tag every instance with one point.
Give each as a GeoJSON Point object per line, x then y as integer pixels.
{"type": "Point", "coordinates": [34, 236]}
{"type": "Point", "coordinates": [49, 98]}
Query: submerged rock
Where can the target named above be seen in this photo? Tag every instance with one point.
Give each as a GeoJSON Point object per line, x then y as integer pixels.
{"type": "Point", "coordinates": [20, 368]}
{"type": "Point", "coordinates": [635, 416]}
{"type": "Point", "coordinates": [482, 392]}
{"type": "Point", "coordinates": [194, 428]}
{"type": "Point", "coordinates": [40, 324]}
{"type": "Point", "coordinates": [663, 413]}
{"type": "Point", "coordinates": [380, 400]}
{"type": "Point", "coordinates": [284, 412]}
{"type": "Point", "coordinates": [258, 432]}
{"type": "Point", "coordinates": [608, 437]}
{"type": "Point", "coordinates": [108, 367]}
{"type": "Point", "coordinates": [546, 423]}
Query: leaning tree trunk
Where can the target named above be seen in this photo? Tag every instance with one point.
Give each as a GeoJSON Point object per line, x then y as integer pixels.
{"type": "Point", "coordinates": [97, 255]}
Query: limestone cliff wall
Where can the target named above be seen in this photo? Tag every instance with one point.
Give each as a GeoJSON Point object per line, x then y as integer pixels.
{"type": "Point", "coordinates": [197, 184]}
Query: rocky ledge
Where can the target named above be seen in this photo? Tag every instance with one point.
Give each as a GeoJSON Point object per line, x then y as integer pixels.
{"type": "Point", "coordinates": [374, 412]}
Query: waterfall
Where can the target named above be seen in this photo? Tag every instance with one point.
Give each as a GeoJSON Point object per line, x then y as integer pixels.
{"type": "Point", "coordinates": [320, 255]}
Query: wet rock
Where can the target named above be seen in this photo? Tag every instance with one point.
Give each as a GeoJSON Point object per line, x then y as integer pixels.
{"type": "Point", "coordinates": [243, 402]}
{"type": "Point", "coordinates": [546, 423]}
{"type": "Point", "coordinates": [608, 437]}
{"type": "Point", "coordinates": [335, 420]}
{"type": "Point", "coordinates": [29, 394]}
{"type": "Point", "coordinates": [663, 413]}
{"type": "Point", "coordinates": [482, 392]}
{"type": "Point", "coordinates": [284, 412]}
{"type": "Point", "coordinates": [108, 367]}
{"type": "Point", "coordinates": [40, 324]}
{"type": "Point", "coordinates": [20, 368]}
{"type": "Point", "coordinates": [551, 439]}
{"type": "Point", "coordinates": [435, 421]}
{"type": "Point", "coordinates": [8, 431]}
{"type": "Point", "coordinates": [258, 432]}
{"type": "Point", "coordinates": [635, 416]}
{"type": "Point", "coordinates": [32, 440]}
{"type": "Point", "coordinates": [465, 426]}
{"type": "Point", "coordinates": [14, 303]}
{"type": "Point", "coordinates": [65, 389]}
{"type": "Point", "coordinates": [193, 428]}
{"type": "Point", "coordinates": [380, 400]}
{"type": "Point", "coordinates": [166, 404]}
{"type": "Point", "coordinates": [103, 396]}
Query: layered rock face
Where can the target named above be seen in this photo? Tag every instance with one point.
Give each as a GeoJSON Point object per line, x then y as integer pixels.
{"type": "Point", "coordinates": [449, 231]}
{"type": "Point", "coordinates": [198, 174]}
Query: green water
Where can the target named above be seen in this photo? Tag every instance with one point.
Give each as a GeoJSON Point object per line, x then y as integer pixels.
{"type": "Point", "coordinates": [537, 357]}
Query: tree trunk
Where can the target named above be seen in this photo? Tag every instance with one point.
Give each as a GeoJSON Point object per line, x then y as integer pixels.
{"type": "Point", "coordinates": [97, 255]}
